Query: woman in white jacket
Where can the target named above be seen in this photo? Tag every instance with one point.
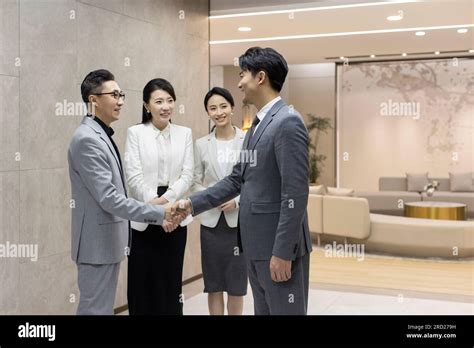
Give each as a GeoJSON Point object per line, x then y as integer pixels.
{"type": "Point", "coordinates": [223, 268]}
{"type": "Point", "coordinates": [159, 168]}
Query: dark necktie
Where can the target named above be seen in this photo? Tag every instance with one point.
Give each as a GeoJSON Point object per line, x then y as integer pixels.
{"type": "Point", "coordinates": [255, 122]}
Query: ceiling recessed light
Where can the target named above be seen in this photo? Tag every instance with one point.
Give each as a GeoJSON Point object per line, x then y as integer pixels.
{"type": "Point", "coordinates": [396, 17]}
{"type": "Point", "coordinates": [372, 56]}
{"type": "Point", "coordinates": [404, 54]}
{"type": "Point", "coordinates": [471, 51]}
{"type": "Point", "coordinates": [462, 31]}
{"type": "Point", "coordinates": [437, 52]}
{"type": "Point", "coordinates": [420, 33]}
{"type": "Point", "coordinates": [244, 29]}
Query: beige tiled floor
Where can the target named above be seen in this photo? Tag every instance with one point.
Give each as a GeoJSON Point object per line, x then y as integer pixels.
{"type": "Point", "coordinates": [381, 285]}
{"type": "Point", "coordinates": [337, 301]}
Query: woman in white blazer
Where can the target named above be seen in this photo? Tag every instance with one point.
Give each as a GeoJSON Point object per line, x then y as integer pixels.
{"type": "Point", "coordinates": [223, 268]}
{"type": "Point", "coordinates": [159, 168]}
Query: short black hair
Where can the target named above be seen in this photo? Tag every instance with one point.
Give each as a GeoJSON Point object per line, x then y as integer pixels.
{"type": "Point", "coordinates": [224, 93]}
{"type": "Point", "coordinates": [256, 59]}
{"type": "Point", "coordinates": [150, 87]}
{"type": "Point", "coordinates": [92, 83]}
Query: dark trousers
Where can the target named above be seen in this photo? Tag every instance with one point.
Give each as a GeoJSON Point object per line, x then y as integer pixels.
{"type": "Point", "coordinates": [280, 298]}
{"type": "Point", "coordinates": [155, 271]}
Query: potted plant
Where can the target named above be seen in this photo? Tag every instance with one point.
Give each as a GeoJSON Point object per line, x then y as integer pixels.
{"type": "Point", "coordinates": [316, 161]}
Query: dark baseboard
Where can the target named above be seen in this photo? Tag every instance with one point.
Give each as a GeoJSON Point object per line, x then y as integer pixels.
{"type": "Point", "coordinates": [192, 279]}
{"type": "Point", "coordinates": [121, 309]}
{"type": "Point", "coordinates": [124, 308]}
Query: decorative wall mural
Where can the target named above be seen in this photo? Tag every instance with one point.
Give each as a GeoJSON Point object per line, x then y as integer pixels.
{"type": "Point", "coordinates": [417, 114]}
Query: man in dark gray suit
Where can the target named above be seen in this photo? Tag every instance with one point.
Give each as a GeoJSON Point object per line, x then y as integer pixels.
{"type": "Point", "coordinates": [100, 226]}
{"type": "Point", "coordinates": [272, 180]}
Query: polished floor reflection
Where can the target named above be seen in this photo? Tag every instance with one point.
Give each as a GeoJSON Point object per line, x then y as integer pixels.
{"type": "Point", "coordinates": [337, 302]}
{"type": "Point", "coordinates": [379, 284]}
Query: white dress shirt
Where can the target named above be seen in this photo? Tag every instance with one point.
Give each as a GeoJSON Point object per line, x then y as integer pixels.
{"type": "Point", "coordinates": [163, 143]}
{"type": "Point", "coordinates": [263, 111]}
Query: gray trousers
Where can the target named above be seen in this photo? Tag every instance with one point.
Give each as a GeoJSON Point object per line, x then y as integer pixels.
{"type": "Point", "coordinates": [97, 287]}
{"type": "Point", "coordinates": [279, 298]}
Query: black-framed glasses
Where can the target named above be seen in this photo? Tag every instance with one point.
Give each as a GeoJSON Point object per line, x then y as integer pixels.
{"type": "Point", "coordinates": [116, 94]}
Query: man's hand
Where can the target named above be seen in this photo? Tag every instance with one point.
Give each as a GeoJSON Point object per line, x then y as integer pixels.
{"type": "Point", "coordinates": [169, 226]}
{"type": "Point", "coordinates": [171, 220]}
{"type": "Point", "coordinates": [228, 206]}
{"type": "Point", "coordinates": [170, 214]}
{"type": "Point", "coordinates": [183, 208]}
{"type": "Point", "coordinates": [280, 270]}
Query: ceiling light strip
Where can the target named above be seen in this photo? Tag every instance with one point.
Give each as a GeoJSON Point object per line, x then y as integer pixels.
{"type": "Point", "coordinates": [389, 55]}
{"type": "Point", "coordinates": [322, 8]}
{"type": "Point", "coordinates": [313, 36]}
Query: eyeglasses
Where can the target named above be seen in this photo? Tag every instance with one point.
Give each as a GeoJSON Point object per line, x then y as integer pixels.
{"type": "Point", "coordinates": [116, 94]}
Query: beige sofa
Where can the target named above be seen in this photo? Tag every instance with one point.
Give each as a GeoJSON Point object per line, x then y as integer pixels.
{"type": "Point", "coordinates": [393, 193]}
{"type": "Point", "coordinates": [335, 217]}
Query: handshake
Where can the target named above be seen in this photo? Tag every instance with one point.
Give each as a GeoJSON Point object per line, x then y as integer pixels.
{"type": "Point", "coordinates": [177, 212]}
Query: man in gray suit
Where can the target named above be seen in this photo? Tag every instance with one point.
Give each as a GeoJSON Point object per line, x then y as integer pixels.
{"type": "Point", "coordinates": [101, 209]}
{"type": "Point", "coordinates": [273, 188]}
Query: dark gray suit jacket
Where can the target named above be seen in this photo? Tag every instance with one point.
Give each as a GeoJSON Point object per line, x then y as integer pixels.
{"type": "Point", "coordinates": [273, 192]}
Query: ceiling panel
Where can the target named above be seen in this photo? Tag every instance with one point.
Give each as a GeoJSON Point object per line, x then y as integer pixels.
{"type": "Point", "coordinates": [415, 15]}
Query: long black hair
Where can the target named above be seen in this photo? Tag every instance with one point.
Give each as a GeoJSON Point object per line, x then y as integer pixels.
{"type": "Point", "coordinates": [150, 87]}
{"type": "Point", "coordinates": [224, 93]}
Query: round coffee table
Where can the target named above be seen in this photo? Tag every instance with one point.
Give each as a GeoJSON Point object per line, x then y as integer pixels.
{"type": "Point", "coordinates": [436, 210]}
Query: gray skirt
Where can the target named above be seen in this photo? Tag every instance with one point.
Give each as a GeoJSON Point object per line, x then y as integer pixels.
{"type": "Point", "coordinates": [223, 267]}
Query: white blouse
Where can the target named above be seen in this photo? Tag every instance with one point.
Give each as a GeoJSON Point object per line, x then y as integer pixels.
{"type": "Point", "coordinates": [163, 143]}
{"type": "Point", "coordinates": [225, 149]}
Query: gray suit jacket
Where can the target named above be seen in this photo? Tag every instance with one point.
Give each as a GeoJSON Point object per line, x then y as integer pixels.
{"type": "Point", "coordinates": [100, 207]}
{"type": "Point", "coordinates": [273, 192]}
